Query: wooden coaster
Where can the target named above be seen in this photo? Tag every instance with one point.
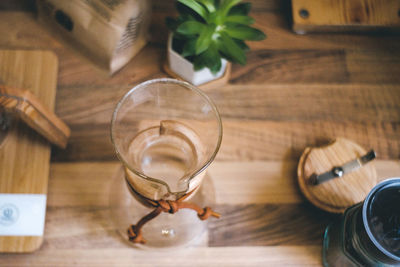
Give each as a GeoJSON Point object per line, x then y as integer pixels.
{"type": "Point", "coordinates": [209, 85]}
{"type": "Point", "coordinates": [338, 194]}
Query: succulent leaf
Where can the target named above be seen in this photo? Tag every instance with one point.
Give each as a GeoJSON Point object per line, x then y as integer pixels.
{"type": "Point", "coordinates": [189, 49]}
{"type": "Point", "coordinates": [242, 44]}
{"type": "Point", "coordinates": [240, 19]}
{"type": "Point", "coordinates": [227, 5]}
{"type": "Point", "coordinates": [243, 32]}
{"type": "Point", "coordinates": [231, 49]}
{"type": "Point", "coordinates": [240, 9]}
{"type": "Point", "coordinates": [198, 8]}
{"type": "Point", "coordinates": [190, 27]}
{"type": "Point", "coordinates": [210, 59]}
{"type": "Point", "coordinates": [209, 4]}
{"type": "Point", "coordinates": [213, 59]}
{"type": "Point", "coordinates": [204, 39]}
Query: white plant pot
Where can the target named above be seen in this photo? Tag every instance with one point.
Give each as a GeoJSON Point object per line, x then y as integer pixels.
{"type": "Point", "coordinates": [185, 68]}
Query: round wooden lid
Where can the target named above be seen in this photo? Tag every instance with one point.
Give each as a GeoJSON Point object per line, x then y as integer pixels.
{"type": "Point", "coordinates": [337, 194]}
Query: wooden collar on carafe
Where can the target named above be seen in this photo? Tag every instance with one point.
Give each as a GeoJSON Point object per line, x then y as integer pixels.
{"type": "Point", "coordinates": [171, 206]}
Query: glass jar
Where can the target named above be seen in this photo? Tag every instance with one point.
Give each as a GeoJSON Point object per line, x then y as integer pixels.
{"type": "Point", "coordinates": [368, 234]}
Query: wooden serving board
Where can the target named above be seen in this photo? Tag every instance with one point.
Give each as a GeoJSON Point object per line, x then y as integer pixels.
{"type": "Point", "coordinates": [343, 15]}
{"type": "Point", "coordinates": [24, 154]}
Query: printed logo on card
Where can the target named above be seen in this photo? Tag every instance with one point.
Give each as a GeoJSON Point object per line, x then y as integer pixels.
{"type": "Point", "coordinates": [9, 214]}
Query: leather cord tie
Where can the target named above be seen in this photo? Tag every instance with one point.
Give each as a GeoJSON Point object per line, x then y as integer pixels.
{"type": "Point", "coordinates": [135, 231]}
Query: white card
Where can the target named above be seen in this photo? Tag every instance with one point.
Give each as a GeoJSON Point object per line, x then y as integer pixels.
{"type": "Point", "coordinates": [22, 214]}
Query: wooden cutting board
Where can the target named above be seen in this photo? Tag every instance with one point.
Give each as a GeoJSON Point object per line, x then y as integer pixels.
{"type": "Point", "coordinates": [24, 154]}
{"type": "Point", "coordinates": [343, 15]}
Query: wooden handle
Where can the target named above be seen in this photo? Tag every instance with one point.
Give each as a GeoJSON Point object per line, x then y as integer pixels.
{"type": "Point", "coordinates": [28, 107]}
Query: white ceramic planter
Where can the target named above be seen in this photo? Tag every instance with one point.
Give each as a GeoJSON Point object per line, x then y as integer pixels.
{"type": "Point", "coordinates": [185, 68]}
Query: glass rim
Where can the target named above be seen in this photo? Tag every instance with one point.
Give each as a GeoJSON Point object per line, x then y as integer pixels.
{"type": "Point", "coordinates": [188, 86]}
{"type": "Point", "coordinates": [368, 200]}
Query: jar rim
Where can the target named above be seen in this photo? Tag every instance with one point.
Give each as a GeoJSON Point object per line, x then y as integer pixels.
{"type": "Point", "coordinates": [367, 202]}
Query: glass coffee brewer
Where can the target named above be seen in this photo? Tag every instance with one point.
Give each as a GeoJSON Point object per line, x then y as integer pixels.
{"type": "Point", "coordinates": [166, 133]}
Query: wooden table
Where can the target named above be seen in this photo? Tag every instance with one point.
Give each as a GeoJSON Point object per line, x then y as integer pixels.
{"type": "Point", "coordinates": [295, 91]}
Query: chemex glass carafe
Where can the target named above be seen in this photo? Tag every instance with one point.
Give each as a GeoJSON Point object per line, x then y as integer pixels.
{"type": "Point", "coordinates": [166, 133]}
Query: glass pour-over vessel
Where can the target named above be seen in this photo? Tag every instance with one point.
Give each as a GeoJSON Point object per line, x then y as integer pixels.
{"type": "Point", "coordinates": [166, 133]}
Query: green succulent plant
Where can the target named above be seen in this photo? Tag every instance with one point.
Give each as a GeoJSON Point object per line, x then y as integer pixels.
{"type": "Point", "coordinates": [207, 30]}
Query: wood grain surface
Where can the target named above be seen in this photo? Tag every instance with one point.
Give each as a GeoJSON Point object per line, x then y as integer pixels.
{"type": "Point", "coordinates": [296, 91]}
{"type": "Point", "coordinates": [261, 218]}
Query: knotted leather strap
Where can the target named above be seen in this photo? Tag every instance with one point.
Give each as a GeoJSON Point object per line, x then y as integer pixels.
{"type": "Point", "coordinates": [135, 231]}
